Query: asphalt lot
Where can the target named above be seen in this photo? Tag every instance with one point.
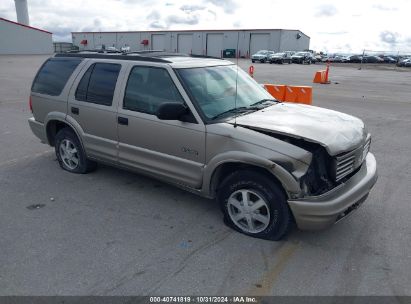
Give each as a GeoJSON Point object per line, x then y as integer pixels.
{"type": "Point", "coordinates": [117, 233]}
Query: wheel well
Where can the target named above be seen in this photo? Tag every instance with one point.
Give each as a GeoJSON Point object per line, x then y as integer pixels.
{"type": "Point", "coordinates": [222, 171]}
{"type": "Point", "coordinates": [53, 127]}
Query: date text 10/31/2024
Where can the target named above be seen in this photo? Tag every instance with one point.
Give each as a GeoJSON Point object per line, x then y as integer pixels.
{"type": "Point", "coordinates": [202, 299]}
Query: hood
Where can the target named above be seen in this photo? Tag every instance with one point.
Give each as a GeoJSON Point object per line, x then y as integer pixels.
{"type": "Point", "coordinates": [337, 132]}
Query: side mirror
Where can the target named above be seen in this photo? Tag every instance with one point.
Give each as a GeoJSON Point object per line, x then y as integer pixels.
{"type": "Point", "coordinates": [171, 111]}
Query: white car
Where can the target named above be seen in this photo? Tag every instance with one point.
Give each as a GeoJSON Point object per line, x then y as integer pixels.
{"type": "Point", "coordinates": [262, 56]}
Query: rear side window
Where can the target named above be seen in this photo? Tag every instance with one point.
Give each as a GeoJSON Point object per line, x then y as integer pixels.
{"type": "Point", "coordinates": [53, 75]}
{"type": "Point", "coordinates": [98, 83]}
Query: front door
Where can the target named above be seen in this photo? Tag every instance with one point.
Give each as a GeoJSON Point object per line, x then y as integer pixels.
{"type": "Point", "coordinates": [172, 149]}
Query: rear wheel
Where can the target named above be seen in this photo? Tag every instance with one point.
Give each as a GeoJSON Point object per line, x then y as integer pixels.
{"type": "Point", "coordinates": [70, 153]}
{"type": "Point", "coordinates": [255, 205]}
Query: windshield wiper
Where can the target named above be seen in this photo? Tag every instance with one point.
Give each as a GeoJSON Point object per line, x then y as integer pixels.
{"type": "Point", "coordinates": [252, 107]}
{"type": "Point", "coordinates": [263, 101]}
{"type": "Point", "coordinates": [234, 110]}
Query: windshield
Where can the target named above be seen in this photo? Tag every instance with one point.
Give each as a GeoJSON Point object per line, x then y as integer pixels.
{"type": "Point", "coordinates": [214, 89]}
{"type": "Point", "coordinates": [262, 52]}
{"type": "Point", "coordinates": [279, 54]}
{"type": "Point", "coordinates": [300, 54]}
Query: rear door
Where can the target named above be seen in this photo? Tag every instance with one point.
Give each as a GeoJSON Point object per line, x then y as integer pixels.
{"type": "Point", "coordinates": [170, 149]}
{"type": "Point", "coordinates": [92, 106]}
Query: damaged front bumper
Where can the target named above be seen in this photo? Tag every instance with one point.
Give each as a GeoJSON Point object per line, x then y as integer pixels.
{"type": "Point", "coordinates": [318, 212]}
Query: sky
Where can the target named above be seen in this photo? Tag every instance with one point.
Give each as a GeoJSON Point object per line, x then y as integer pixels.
{"type": "Point", "coordinates": [334, 26]}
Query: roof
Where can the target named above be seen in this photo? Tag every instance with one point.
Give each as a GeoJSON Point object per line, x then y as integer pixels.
{"type": "Point", "coordinates": [27, 26]}
{"type": "Point", "coordinates": [174, 59]}
{"type": "Point", "coordinates": [191, 31]}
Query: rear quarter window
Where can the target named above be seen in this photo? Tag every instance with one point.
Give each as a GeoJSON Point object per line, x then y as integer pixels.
{"type": "Point", "coordinates": [53, 75]}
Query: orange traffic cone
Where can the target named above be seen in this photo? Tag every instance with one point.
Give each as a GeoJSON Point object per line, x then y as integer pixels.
{"type": "Point", "coordinates": [322, 76]}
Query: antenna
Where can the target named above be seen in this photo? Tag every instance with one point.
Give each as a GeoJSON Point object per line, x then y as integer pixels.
{"type": "Point", "coordinates": [236, 82]}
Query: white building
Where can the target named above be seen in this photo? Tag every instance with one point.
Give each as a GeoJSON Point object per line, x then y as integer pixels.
{"type": "Point", "coordinates": [197, 42]}
{"type": "Point", "coordinates": [21, 38]}
{"type": "Point", "coordinates": [18, 38]}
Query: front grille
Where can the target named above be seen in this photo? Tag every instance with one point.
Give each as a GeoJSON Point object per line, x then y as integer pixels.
{"type": "Point", "coordinates": [366, 148]}
{"type": "Point", "coordinates": [345, 165]}
{"type": "Point", "coordinates": [348, 162]}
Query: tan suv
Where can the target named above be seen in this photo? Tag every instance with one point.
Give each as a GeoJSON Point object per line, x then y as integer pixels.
{"type": "Point", "coordinates": [205, 125]}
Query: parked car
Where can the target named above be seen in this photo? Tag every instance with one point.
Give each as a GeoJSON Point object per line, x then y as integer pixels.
{"type": "Point", "coordinates": [303, 57]}
{"type": "Point", "coordinates": [404, 63]}
{"type": "Point", "coordinates": [318, 57]}
{"type": "Point", "coordinates": [261, 56]}
{"type": "Point", "coordinates": [372, 59]}
{"type": "Point", "coordinates": [175, 118]}
{"type": "Point", "coordinates": [338, 58]}
{"type": "Point", "coordinates": [335, 58]}
{"type": "Point", "coordinates": [280, 58]}
{"type": "Point", "coordinates": [355, 59]}
{"type": "Point", "coordinates": [388, 59]}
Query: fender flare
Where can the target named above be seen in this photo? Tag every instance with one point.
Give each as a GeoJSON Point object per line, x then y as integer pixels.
{"type": "Point", "coordinates": [72, 123]}
{"type": "Point", "coordinates": [289, 183]}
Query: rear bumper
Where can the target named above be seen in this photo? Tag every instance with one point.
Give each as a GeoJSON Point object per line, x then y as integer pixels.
{"type": "Point", "coordinates": [319, 212]}
{"type": "Point", "coordinates": [38, 129]}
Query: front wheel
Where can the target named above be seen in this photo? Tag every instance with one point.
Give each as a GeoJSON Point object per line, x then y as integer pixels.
{"type": "Point", "coordinates": [255, 205]}
{"type": "Point", "coordinates": [70, 153]}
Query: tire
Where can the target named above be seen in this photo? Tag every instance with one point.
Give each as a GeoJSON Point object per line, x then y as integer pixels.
{"type": "Point", "coordinates": [282, 61]}
{"type": "Point", "coordinates": [271, 221]}
{"type": "Point", "coordinates": [70, 153]}
{"type": "Point", "coordinates": [271, 62]}
{"type": "Point", "coordinates": [262, 60]}
{"type": "Point", "coordinates": [252, 61]}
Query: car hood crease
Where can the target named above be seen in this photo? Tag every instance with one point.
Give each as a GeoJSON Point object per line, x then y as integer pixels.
{"type": "Point", "coordinates": [336, 131]}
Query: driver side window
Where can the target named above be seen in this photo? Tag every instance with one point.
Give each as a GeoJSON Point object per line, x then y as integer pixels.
{"type": "Point", "coordinates": [147, 88]}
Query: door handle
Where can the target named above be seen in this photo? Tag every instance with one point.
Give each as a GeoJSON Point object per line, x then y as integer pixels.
{"type": "Point", "coordinates": [75, 110]}
{"type": "Point", "coordinates": [122, 120]}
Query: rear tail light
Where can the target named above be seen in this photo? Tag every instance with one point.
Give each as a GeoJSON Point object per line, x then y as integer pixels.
{"type": "Point", "coordinates": [30, 105]}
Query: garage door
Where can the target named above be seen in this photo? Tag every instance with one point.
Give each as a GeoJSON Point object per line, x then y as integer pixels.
{"type": "Point", "coordinates": [214, 45]}
{"type": "Point", "coordinates": [259, 42]}
{"type": "Point", "coordinates": [158, 42]}
{"type": "Point", "coordinates": [184, 43]}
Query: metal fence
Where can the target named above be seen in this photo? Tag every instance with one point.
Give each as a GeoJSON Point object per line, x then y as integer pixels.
{"type": "Point", "coordinates": [62, 47]}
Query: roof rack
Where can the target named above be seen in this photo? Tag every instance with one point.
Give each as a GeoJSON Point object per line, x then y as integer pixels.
{"type": "Point", "coordinates": [157, 53]}
{"type": "Point", "coordinates": [119, 56]}
{"type": "Point", "coordinates": [205, 56]}
{"type": "Point", "coordinates": [148, 55]}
